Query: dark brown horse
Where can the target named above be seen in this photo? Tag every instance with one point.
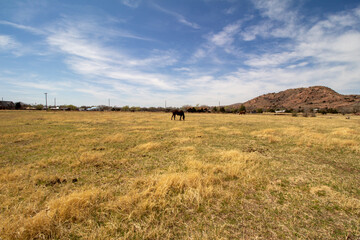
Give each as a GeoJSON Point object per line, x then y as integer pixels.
{"type": "Point", "coordinates": [178, 112]}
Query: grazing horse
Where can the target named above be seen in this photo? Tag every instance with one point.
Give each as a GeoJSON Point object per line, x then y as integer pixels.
{"type": "Point", "coordinates": [178, 112]}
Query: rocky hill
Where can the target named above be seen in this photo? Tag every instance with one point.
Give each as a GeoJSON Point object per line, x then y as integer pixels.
{"type": "Point", "coordinates": [304, 98]}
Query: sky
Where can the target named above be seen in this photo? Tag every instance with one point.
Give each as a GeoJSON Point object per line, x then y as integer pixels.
{"type": "Point", "coordinates": [179, 52]}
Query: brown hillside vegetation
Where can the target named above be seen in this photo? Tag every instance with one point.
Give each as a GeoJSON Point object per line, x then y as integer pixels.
{"type": "Point", "coordinates": [305, 98]}
{"type": "Point", "coordinates": [120, 175]}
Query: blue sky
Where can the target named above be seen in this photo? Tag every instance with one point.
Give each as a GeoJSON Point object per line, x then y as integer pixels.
{"type": "Point", "coordinates": [184, 52]}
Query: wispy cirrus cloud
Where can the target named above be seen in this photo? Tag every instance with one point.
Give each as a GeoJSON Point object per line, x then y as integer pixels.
{"type": "Point", "coordinates": [322, 52]}
{"type": "Point", "coordinates": [223, 40]}
{"type": "Point", "coordinates": [91, 57]}
{"type": "Point", "coordinates": [7, 42]}
{"type": "Point", "coordinates": [230, 10]}
{"type": "Point", "coordinates": [180, 18]}
{"type": "Point", "coordinates": [131, 3]}
{"type": "Point", "coordinates": [325, 52]}
{"type": "Point", "coordinates": [333, 39]}
{"type": "Point", "coordinates": [278, 46]}
{"type": "Point", "coordinates": [226, 36]}
{"type": "Point", "coordinates": [22, 27]}
{"type": "Point", "coordinates": [280, 20]}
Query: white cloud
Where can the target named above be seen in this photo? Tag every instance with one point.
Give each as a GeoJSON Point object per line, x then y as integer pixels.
{"type": "Point", "coordinates": [180, 18]}
{"type": "Point", "coordinates": [275, 9]}
{"type": "Point", "coordinates": [226, 36]}
{"type": "Point", "coordinates": [131, 3]}
{"type": "Point", "coordinates": [223, 40]}
{"type": "Point", "coordinates": [230, 10]}
{"type": "Point", "coordinates": [335, 39]}
{"type": "Point", "coordinates": [7, 42]}
{"type": "Point", "coordinates": [11, 45]}
{"type": "Point", "coordinates": [280, 20]}
{"type": "Point", "coordinates": [317, 52]}
{"type": "Point", "coordinates": [262, 29]}
{"type": "Point", "coordinates": [324, 53]}
{"type": "Point", "coordinates": [23, 27]}
{"type": "Point", "coordinates": [91, 57]}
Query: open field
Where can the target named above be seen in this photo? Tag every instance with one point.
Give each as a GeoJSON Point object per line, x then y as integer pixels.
{"type": "Point", "coordinates": [111, 175]}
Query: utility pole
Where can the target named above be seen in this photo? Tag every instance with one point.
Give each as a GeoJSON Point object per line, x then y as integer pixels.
{"type": "Point", "coordinates": [109, 102]}
{"type": "Point", "coordinates": [45, 100]}
{"type": "Point", "coordinates": [55, 102]}
{"type": "Point", "coordinates": [165, 103]}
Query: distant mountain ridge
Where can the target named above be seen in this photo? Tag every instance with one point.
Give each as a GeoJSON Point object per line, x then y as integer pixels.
{"type": "Point", "coordinates": [304, 98]}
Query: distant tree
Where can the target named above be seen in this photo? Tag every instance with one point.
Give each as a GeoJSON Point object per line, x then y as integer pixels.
{"type": "Point", "coordinates": [214, 109]}
{"type": "Point", "coordinates": [69, 107]}
{"type": "Point", "coordinates": [191, 109]}
{"type": "Point", "coordinates": [332, 110]}
{"type": "Point", "coordinates": [72, 107]}
{"type": "Point", "coordinates": [39, 107]}
{"type": "Point", "coordinates": [259, 110]}
{"type": "Point", "coordinates": [222, 109]}
{"type": "Point", "coordinates": [242, 108]}
{"type": "Point", "coordinates": [135, 109]}
{"type": "Point", "coordinates": [125, 108]}
{"type": "Point", "coordinates": [18, 106]}
{"type": "Point", "coordinates": [323, 111]}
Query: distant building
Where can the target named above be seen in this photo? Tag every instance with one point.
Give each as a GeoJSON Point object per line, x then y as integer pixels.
{"type": "Point", "coordinates": [7, 105]}
{"type": "Point", "coordinates": [280, 111]}
{"type": "Point", "coordinates": [93, 109]}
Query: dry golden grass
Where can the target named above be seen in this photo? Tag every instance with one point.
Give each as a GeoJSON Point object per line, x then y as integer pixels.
{"type": "Point", "coordinates": [110, 175]}
{"type": "Point", "coordinates": [148, 147]}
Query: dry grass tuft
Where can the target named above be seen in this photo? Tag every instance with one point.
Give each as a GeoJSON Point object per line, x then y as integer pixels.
{"type": "Point", "coordinates": [40, 226]}
{"type": "Point", "coordinates": [176, 129]}
{"type": "Point", "coordinates": [345, 132]}
{"type": "Point", "coordinates": [115, 138]}
{"type": "Point", "coordinates": [267, 134]}
{"type": "Point", "coordinates": [235, 155]}
{"type": "Point", "coordinates": [95, 159]}
{"type": "Point", "coordinates": [329, 194]}
{"type": "Point", "coordinates": [75, 207]}
{"type": "Point", "coordinates": [26, 136]}
{"type": "Point", "coordinates": [49, 223]}
{"type": "Point", "coordinates": [148, 147]}
{"type": "Point", "coordinates": [165, 191]}
{"type": "Point", "coordinates": [184, 139]}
